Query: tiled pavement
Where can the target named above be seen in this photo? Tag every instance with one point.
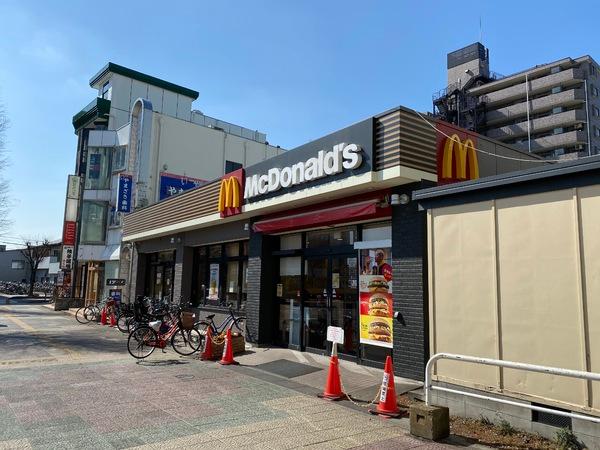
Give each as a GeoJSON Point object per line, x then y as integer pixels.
{"type": "Point", "coordinates": [93, 395]}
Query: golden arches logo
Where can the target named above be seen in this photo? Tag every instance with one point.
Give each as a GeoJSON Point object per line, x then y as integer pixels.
{"type": "Point", "coordinates": [229, 194]}
{"type": "Point", "coordinates": [456, 155]}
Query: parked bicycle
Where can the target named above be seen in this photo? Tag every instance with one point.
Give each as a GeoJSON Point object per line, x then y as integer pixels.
{"type": "Point", "coordinates": [233, 322]}
{"type": "Point", "coordinates": [177, 326]}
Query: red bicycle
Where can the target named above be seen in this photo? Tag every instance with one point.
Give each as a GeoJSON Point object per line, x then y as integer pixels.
{"type": "Point", "coordinates": [178, 327]}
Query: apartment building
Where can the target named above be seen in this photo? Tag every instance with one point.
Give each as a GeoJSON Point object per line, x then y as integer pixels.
{"type": "Point", "coordinates": [139, 142]}
{"type": "Point", "coordinates": [552, 109]}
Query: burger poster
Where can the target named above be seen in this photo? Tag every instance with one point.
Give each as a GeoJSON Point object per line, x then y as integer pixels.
{"type": "Point", "coordinates": [376, 303]}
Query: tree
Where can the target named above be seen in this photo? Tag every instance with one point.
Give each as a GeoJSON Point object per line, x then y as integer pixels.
{"type": "Point", "coordinates": [34, 252]}
{"type": "Point", "coordinates": [4, 199]}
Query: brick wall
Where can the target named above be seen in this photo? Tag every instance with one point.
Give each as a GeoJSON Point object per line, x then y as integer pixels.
{"type": "Point", "coordinates": [409, 263]}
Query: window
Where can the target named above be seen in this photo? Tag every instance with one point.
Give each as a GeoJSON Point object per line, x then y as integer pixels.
{"type": "Point", "coordinates": [291, 241]}
{"type": "Point", "coordinates": [594, 90]}
{"type": "Point", "coordinates": [230, 166]}
{"type": "Point", "coordinates": [555, 69]}
{"type": "Point", "coordinates": [556, 89]}
{"type": "Point", "coordinates": [557, 110]}
{"type": "Point", "coordinates": [596, 131]}
{"type": "Point", "coordinates": [592, 69]}
{"type": "Point", "coordinates": [106, 90]}
{"type": "Point", "coordinates": [93, 222]}
{"type": "Point", "coordinates": [119, 160]}
{"type": "Point", "coordinates": [97, 170]}
{"type": "Point", "coordinates": [558, 130]}
{"type": "Point", "coordinates": [17, 264]}
{"type": "Point", "coordinates": [595, 111]}
{"type": "Point", "coordinates": [330, 238]}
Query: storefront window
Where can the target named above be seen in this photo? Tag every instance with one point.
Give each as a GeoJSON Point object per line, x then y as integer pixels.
{"type": "Point", "coordinates": [160, 273]}
{"type": "Point", "coordinates": [288, 297]}
{"type": "Point", "coordinates": [330, 238]}
{"type": "Point", "coordinates": [291, 241]}
{"type": "Point", "coordinates": [97, 174]}
{"type": "Point", "coordinates": [93, 222]}
{"type": "Point", "coordinates": [377, 232]}
{"type": "Point", "coordinates": [220, 275]}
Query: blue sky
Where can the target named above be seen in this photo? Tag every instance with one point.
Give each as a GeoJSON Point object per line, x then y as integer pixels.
{"type": "Point", "coordinates": [295, 70]}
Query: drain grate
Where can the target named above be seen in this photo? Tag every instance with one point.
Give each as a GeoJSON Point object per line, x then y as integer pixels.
{"type": "Point", "coordinates": [287, 368]}
{"type": "Point", "coordinates": [551, 419]}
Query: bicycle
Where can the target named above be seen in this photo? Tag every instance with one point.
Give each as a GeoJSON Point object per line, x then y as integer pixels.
{"type": "Point", "coordinates": [185, 339]}
{"type": "Point", "coordinates": [230, 322]}
{"type": "Point", "coordinates": [89, 313]}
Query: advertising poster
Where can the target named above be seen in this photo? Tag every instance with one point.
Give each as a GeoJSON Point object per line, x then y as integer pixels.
{"type": "Point", "coordinates": [376, 302]}
{"type": "Point", "coordinates": [213, 284]}
{"type": "Point", "coordinates": [171, 184]}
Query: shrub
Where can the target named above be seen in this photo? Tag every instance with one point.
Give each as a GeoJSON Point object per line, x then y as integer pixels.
{"type": "Point", "coordinates": [566, 440]}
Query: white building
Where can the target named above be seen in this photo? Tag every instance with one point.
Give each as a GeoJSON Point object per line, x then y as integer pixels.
{"type": "Point", "coordinates": [143, 126]}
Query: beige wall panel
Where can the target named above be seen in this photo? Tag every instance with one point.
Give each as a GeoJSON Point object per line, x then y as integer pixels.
{"type": "Point", "coordinates": [590, 226]}
{"type": "Point", "coordinates": [465, 289]}
{"type": "Point", "coordinates": [540, 292]}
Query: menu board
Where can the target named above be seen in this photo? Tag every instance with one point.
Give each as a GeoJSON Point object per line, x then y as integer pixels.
{"type": "Point", "coordinates": [376, 301]}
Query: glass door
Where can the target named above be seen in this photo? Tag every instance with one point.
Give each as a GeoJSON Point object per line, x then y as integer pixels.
{"type": "Point", "coordinates": [330, 299]}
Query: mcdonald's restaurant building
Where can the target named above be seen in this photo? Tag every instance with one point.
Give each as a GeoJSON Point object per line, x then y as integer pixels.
{"type": "Point", "coordinates": [322, 235]}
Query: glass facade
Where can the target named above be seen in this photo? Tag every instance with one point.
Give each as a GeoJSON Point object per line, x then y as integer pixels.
{"type": "Point", "coordinates": [160, 271]}
{"type": "Point", "coordinates": [93, 222]}
{"type": "Point", "coordinates": [97, 174]}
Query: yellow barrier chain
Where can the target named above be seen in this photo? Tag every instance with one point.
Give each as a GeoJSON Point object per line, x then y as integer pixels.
{"type": "Point", "coordinates": [355, 403]}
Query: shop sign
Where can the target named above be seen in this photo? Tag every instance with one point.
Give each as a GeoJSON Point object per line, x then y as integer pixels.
{"type": "Point", "coordinates": [171, 184]}
{"type": "Point", "coordinates": [375, 296]}
{"type": "Point", "coordinates": [73, 187]}
{"type": "Point", "coordinates": [66, 260]}
{"type": "Point", "coordinates": [213, 282]}
{"type": "Point", "coordinates": [456, 157]}
{"type": "Point", "coordinates": [115, 294]}
{"type": "Point", "coordinates": [335, 334]}
{"type": "Point", "coordinates": [69, 232]}
{"type": "Point", "coordinates": [326, 163]}
{"type": "Point", "coordinates": [230, 193]}
{"type": "Point", "coordinates": [116, 281]}
{"type": "Point", "coordinates": [124, 192]}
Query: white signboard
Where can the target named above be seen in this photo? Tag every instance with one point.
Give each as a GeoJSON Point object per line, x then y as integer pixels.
{"type": "Point", "coordinates": [73, 187]}
{"type": "Point", "coordinates": [66, 261]}
{"type": "Point", "coordinates": [335, 334]}
{"type": "Point", "coordinates": [213, 284]}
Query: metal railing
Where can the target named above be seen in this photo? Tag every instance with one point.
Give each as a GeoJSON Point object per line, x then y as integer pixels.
{"type": "Point", "coordinates": [590, 376]}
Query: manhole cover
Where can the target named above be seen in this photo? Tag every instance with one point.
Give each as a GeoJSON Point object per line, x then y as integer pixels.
{"type": "Point", "coordinates": [286, 368]}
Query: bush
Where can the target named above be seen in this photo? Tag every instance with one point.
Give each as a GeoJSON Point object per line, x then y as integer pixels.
{"type": "Point", "coordinates": [505, 428]}
{"type": "Point", "coordinates": [566, 440]}
{"type": "Point", "coordinates": [483, 420]}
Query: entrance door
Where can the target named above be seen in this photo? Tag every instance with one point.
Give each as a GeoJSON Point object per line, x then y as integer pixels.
{"type": "Point", "coordinates": [331, 299]}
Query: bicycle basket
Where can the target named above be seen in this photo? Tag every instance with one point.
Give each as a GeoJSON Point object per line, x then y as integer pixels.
{"type": "Point", "coordinates": [187, 320]}
{"type": "Point", "coordinates": [155, 325]}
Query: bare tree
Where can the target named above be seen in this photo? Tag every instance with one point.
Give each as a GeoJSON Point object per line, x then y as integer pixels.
{"type": "Point", "coordinates": [4, 199]}
{"type": "Point", "coordinates": [34, 252]}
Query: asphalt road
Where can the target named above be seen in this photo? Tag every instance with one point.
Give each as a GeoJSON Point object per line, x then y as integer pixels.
{"type": "Point", "coordinates": [67, 385]}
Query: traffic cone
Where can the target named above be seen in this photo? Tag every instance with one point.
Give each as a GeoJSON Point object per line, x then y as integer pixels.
{"type": "Point", "coordinates": [113, 320]}
{"type": "Point", "coordinates": [333, 385]}
{"type": "Point", "coordinates": [227, 357]}
{"type": "Point", "coordinates": [103, 316]}
{"type": "Point", "coordinates": [207, 353]}
{"type": "Point", "coordinates": [388, 404]}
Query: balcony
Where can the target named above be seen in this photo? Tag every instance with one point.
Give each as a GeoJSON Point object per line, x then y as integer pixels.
{"type": "Point", "coordinates": [538, 125]}
{"type": "Point", "coordinates": [566, 78]}
{"type": "Point", "coordinates": [509, 113]}
{"type": "Point", "coordinates": [555, 141]}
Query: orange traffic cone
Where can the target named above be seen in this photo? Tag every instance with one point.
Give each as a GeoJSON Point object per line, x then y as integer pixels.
{"type": "Point", "coordinates": [103, 316]}
{"type": "Point", "coordinates": [388, 404]}
{"type": "Point", "coordinates": [228, 351]}
{"type": "Point", "coordinates": [113, 320]}
{"type": "Point", "coordinates": [333, 385]}
{"type": "Point", "coordinates": [207, 353]}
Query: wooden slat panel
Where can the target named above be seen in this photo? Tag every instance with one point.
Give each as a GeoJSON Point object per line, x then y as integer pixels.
{"type": "Point", "coordinates": [187, 206]}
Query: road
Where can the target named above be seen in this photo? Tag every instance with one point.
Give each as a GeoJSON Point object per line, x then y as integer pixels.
{"type": "Point", "coordinates": [67, 385]}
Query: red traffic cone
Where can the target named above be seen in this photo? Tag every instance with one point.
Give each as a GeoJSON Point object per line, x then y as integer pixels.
{"type": "Point", "coordinates": [113, 320]}
{"type": "Point", "coordinates": [333, 385]}
{"type": "Point", "coordinates": [103, 316]}
{"type": "Point", "coordinates": [207, 353]}
{"type": "Point", "coordinates": [228, 351]}
{"type": "Point", "coordinates": [388, 404]}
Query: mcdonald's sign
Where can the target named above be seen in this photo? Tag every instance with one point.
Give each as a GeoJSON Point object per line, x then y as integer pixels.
{"type": "Point", "coordinates": [457, 158]}
{"type": "Point", "coordinates": [230, 193]}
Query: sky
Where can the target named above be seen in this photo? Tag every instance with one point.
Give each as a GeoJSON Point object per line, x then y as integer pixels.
{"type": "Point", "coordinates": [296, 70]}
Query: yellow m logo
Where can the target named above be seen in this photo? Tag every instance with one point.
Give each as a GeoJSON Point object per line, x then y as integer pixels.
{"type": "Point", "coordinates": [457, 154]}
{"type": "Point", "coordinates": [229, 194]}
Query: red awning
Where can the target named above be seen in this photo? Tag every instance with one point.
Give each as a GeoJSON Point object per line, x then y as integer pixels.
{"type": "Point", "coordinates": [320, 217]}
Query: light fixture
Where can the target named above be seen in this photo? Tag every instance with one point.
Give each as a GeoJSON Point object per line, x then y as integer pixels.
{"type": "Point", "coordinates": [246, 226]}
{"type": "Point", "coordinates": [399, 199]}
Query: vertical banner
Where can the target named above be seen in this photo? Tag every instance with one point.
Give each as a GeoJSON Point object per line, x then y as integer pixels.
{"type": "Point", "coordinates": [213, 284]}
{"type": "Point", "coordinates": [73, 186]}
{"type": "Point", "coordinates": [66, 260]}
{"type": "Point", "coordinates": [124, 192]}
{"type": "Point", "coordinates": [69, 232]}
{"type": "Point", "coordinates": [376, 302]}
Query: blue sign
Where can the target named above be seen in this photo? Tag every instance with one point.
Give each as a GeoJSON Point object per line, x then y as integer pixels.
{"type": "Point", "coordinates": [171, 184]}
{"type": "Point", "coordinates": [115, 294]}
{"type": "Point", "coordinates": [124, 192]}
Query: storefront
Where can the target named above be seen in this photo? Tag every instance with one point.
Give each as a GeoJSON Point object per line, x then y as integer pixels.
{"type": "Point", "coordinates": [322, 235]}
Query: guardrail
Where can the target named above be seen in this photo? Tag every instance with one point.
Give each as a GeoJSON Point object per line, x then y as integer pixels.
{"type": "Point", "coordinates": [591, 376]}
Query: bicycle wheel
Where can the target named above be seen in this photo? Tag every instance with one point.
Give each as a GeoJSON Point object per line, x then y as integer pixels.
{"type": "Point", "coordinates": [141, 342]}
{"type": "Point", "coordinates": [186, 342]}
{"type": "Point", "coordinates": [123, 323]}
{"type": "Point", "coordinates": [239, 325]}
{"type": "Point", "coordinates": [92, 313]}
{"type": "Point", "coordinates": [80, 316]}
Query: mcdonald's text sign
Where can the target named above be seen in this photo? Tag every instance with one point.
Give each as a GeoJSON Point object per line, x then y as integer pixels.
{"type": "Point", "coordinates": [456, 156]}
{"type": "Point", "coordinates": [230, 193]}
